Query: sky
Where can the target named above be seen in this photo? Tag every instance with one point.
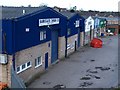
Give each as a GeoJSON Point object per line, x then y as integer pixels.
{"type": "Point", "coordinates": [99, 5]}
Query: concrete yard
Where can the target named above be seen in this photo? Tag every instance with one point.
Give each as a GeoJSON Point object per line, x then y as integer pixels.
{"type": "Point", "coordinates": [86, 68]}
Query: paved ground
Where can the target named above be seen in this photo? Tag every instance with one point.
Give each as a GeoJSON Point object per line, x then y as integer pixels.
{"type": "Point", "coordinates": [87, 68]}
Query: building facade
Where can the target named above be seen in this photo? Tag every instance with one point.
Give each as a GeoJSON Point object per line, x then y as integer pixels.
{"type": "Point", "coordinates": [102, 25]}
{"type": "Point", "coordinates": [96, 26]}
{"type": "Point", "coordinates": [34, 41]}
{"type": "Point", "coordinates": [113, 24]}
{"type": "Point", "coordinates": [74, 32]}
{"type": "Point", "coordinates": [89, 29]}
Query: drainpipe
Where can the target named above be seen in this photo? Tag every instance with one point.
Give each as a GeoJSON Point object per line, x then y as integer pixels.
{"type": "Point", "coordinates": [66, 46]}
{"type": "Point", "coordinates": [4, 43]}
{"type": "Point", "coordinates": [13, 46]}
{"type": "Point", "coordinates": [66, 40]}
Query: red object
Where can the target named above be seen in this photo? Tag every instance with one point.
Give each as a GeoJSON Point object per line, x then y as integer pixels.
{"type": "Point", "coordinates": [115, 33]}
{"type": "Point", "coordinates": [96, 43]}
{"type": "Point", "coordinates": [3, 86]}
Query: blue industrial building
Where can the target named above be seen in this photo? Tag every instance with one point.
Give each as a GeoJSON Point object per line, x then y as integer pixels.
{"type": "Point", "coordinates": [75, 30]}
{"type": "Point", "coordinates": [33, 38]}
{"type": "Point", "coordinates": [37, 34]}
{"type": "Point", "coordinates": [17, 38]}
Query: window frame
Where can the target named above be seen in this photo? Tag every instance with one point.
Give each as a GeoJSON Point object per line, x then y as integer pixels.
{"type": "Point", "coordinates": [23, 69]}
{"type": "Point", "coordinates": [37, 60]}
{"type": "Point", "coordinates": [43, 35]}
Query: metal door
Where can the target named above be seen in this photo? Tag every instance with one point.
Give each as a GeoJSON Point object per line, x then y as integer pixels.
{"type": "Point", "coordinates": [90, 33]}
{"type": "Point", "coordinates": [54, 38]}
{"type": "Point", "coordinates": [78, 37]}
{"type": "Point", "coordinates": [75, 45]}
{"type": "Point", "coordinates": [46, 60]}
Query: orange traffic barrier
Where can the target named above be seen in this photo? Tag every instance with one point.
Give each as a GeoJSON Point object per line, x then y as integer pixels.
{"type": "Point", "coordinates": [3, 86]}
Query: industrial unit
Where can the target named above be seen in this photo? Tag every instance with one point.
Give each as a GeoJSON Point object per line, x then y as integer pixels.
{"type": "Point", "coordinates": [35, 38]}
{"type": "Point", "coordinates": [96, 26]}
{"type": "Point", "coordinates": [113, 24]}
{"type": "Point", "coordinates": [89, 29]}
{"type": "Point", "coordinates": [102, 25]}
{"type": "Point", "coordinates": [34, 41]}
{"type": "Point", "coordinates": [75, 31]}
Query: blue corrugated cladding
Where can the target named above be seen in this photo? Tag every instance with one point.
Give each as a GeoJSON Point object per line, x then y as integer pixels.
{"type": "Point", "coordinates": [25, 40]}
{"type": "Point", "coordinates": [7, 36]}
{"type": "Point", "coordinates": [82, 24]}
{"type": "Point", "coordinates": [71, 24]}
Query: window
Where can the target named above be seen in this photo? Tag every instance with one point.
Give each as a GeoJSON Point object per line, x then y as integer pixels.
{"type": "Point", "coordinates": [77, 23]}
{"type": "Point", "coordinates": [27, 29]}
{"type": "Point", "coordinates": [68, 32]}
{"type": "Point", "coordinates": [89, 23]}
{"type": "Point", "coordinates": [18, 69]}
{"type": "Point", "coordinates": [42, 35]}
{"type": "Point", "coordinates": [38, 62]}
{"type": "Point", "coordinates": [28, 64]}
{"type": "Point", "coordinates": [23, 67]}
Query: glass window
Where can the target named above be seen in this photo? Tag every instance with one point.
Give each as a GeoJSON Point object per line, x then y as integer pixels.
{"type": "Point", "coordinates": [38, 62]}
{"type": "Point", "coordinates": [23, 66]}
{"type": "Point", "coordinates": [18, 69]}
{"type": "Point", "coordinates": [27, 29]}
{"type": "Point", "coordinates": [42, 35]}
{"type": "Point", "coordinates": [28, 64]}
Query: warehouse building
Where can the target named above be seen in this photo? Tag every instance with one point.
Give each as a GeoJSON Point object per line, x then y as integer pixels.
{"type": "Point", "coordinates": [75, 31]}
{"type": "Point", "coordinates": [33, 39]}
{"type": "Point", "coordinates": [89, 29]}
{"type": "Point", "coordinates": [96, 26]}
{"type": "Point", "coordinates": [113, 24]}
{"type": "Point", "coordinates": [102, 24]}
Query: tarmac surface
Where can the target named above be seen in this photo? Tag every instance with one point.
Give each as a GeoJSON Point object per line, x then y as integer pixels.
{"type": "Point", "coordinates": [86, 68]}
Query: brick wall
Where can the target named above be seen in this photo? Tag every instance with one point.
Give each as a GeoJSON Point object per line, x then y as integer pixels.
{"type": "Point", "coordinates": [71, 41]}
{"type": "Point", "coordinates": [87, 37]}
{"type": "Point", "coordinates": [31, 54]}
{"type": "Point", "coordinates": [81, 38]}
{"type": "Point", "coordinates": [5, 71]}
{"type": "Point", "coordinates": [61, 47]}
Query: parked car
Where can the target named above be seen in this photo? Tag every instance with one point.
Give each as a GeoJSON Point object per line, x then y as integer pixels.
{"type": "Point", "coordinates": [111, 34]}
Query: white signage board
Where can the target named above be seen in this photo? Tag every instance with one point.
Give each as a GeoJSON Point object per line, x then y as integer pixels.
{"type": "Point", "coordinates": [48, 21]}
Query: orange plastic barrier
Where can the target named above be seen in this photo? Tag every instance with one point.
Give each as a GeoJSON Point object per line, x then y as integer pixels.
{"type": "Point", "coordinates": [3, 85]}
{"type": "Point", "coordinates": [96, 43]}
